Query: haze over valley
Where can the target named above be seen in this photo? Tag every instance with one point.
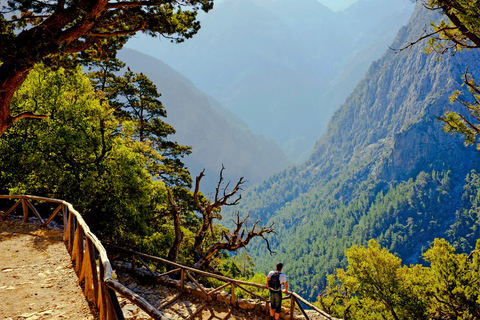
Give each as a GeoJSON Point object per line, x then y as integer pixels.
{"type": "Point", "coordinates": [283, 66]}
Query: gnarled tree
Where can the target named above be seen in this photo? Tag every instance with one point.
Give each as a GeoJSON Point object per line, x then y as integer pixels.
{"type": "Point", "coordinates": [231, 241]}
{"type": "Point", "coordinates": [205, 249]}
{"type": "Point", "coordinates": [33, 31]}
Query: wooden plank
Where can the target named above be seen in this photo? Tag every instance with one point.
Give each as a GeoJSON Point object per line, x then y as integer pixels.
{"type": "Point", "coordinates": [53, 215]}
{"type": "Point", "coordinates": [146, 266]}
{"type": "Point", "coordinates": [168, 272]}
{"type": "Point", "coordinates": [232, 292]}
{"type": "Point", "coordinates": [219, 288]}
{"type": "Point", "coordinates": [25, 210]}
{"type": "Point", "coordinates": [102, 306]}
{"type": "Point", "coordinates": [94, 271]}
{"type": "Point", "coordinates": [78, 248]}
{"type": "Point", "coordinates": [4, 217]}
{"type": "Point", "coordinates": [201, 272]}
{"type": "Point", "coordinates": [87, 272]}
{"type": "Point", "coordinates": [253, 294]}
{"type": "Point", "coordinates": [34, 210]}
{"type": "Point", "coordinates": [70, 234]}
{"type": "Point", "coordinates": [182, 280]}
{"type": "Point", "coordinates": [136, 299]}
{"type": "Point", "coordinates": [303, 311]}
{"type": "Point", "coordinates": [169, 301]}
{"type": "Point", "coordinates": [292, 306]}
{"type": "Point", "coordinates": [199, 286]}
{"type": "Point", "coordinates": [65, 217]}
{"type": "Point", "coordinates": [117, 313]}
{"type": "Point", "coordinates": [323, 313]}
{"type": "Point", "coordinates": [196, 311]}
{"type": "Point", "coordinates": [134, 263]}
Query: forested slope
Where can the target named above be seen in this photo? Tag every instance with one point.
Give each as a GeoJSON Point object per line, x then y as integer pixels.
{"type": "Point", "coordinates": [383, 170]}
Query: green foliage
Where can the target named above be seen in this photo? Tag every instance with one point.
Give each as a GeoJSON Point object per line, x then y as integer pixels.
{"type": "Point", "coordinates": [137, 105]}
{"type": "Point", "coordinates": [107, 24]}
{"type": "Point", "coordinates": [400, 216]}
{"type": "Point", "coordinates": [76, 154]}
{"type": "Point", "coordinates": [376, 286]}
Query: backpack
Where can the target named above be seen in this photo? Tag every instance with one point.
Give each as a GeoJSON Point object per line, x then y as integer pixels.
{"type": "Point", "coordinates": [274, 281]}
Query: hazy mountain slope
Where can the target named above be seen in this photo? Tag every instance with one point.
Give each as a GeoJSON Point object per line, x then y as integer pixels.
{"type": "Point", "coordinates": [383, 170]}
{"type": "Point", "coordinates": [271, 62]}
{"type": "Point", "coordinates": [337, 5]}
{"type": "Point", "coordinates": [217, 136]}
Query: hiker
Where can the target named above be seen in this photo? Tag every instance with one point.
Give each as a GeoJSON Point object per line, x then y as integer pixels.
{"type": "Point", "coordinates": [275, 279]}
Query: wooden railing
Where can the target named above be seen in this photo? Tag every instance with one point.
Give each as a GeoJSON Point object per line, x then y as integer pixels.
{"type": "Point", "coordinates": [93, 267]}
{"type": "Point", "coordinates": [91, 262]}
{"type": "Point", "coordinates": [187, 272]}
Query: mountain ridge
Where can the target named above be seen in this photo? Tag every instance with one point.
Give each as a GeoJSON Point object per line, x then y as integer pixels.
{"type": "Point", "coordinates": [382, 170]}
{"type": "Point", "coordinates": [272, 62]}
{"type": "Point", "coordinates": [218, 137]}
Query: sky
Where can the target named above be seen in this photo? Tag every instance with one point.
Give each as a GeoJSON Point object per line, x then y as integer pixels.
{"type": "Point", "coordinates": [334, 5]}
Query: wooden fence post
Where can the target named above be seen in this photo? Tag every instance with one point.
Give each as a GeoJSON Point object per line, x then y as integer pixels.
{"type": "Point", "coordinates": [78, 247]}
{"type": "Point", "coordinates": [182, 280]}
{"type": "Point", "coordinates": [25, 210]}
{"type": "Point", "coordinates": [232, 290]}
{"type": "Point", "coordinates": [115, 305]}
{"type": "Point", "coordinates": [65, 217]}
{"type": "Point", "coordinates": [134, 263]}
{"type": "Point", "coordinates": [292, 306]}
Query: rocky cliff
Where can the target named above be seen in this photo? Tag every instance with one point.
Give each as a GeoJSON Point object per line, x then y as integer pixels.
{"type": "Point", "coordinates": [383, 170]}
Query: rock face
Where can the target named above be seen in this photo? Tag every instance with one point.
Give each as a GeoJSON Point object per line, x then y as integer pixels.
{"type": "Point", "coordinates": [384, 169]}
{"type": "Point", "coordinates": [391, 115]}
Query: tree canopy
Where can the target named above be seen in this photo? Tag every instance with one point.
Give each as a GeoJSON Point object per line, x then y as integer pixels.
{"type": "Point", "coordinates": [49, 31]}
{"type": "Point", "coordinates": [376, 286]}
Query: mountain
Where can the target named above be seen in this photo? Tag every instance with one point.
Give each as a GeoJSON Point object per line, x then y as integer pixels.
{"type": "Point", "coordinates": [383, 169]}
{"type": "Point", "coordinates": [337, 5]}
{"type": "Point", "coordinates": [272, 62]}
{"type": "Point", "coordinates": [216, 135]}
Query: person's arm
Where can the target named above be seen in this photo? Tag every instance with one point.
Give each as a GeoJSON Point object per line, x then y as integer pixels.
{"type": "Point", "coordinates": [267, 281]}
{"type": "Point", "coordinates": [286, 287]}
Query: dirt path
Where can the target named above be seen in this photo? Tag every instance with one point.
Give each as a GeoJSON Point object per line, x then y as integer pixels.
{"type": "Point", "coordinates": [37, 280]}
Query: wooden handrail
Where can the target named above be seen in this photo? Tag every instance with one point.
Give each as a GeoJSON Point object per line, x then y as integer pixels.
{"type": "Point", "coordinates": [101, 288]}
{"type": "Point", "coordinates": [238, 283]}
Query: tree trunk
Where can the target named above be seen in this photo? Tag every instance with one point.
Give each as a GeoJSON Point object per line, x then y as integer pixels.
{"type": "Point", "coordinates": [199, 237]}
{"type": "Point", "coordinates": [199, 263]}
{"type": "Point", "coordinates": [175, 210]}
{"type": "Point", "coordinates": [173, 252]}
{"type": "Point", "coordinates": [10, 80]}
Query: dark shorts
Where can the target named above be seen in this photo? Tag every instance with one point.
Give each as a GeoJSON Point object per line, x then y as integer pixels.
{"type": "Point", "coordinates": [276, 301]}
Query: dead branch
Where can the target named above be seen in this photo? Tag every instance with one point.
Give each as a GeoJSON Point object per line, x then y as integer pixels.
{"type": "Point", "coordinates": [237, 239]}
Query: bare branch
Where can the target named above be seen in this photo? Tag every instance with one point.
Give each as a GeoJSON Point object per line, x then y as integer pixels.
{"type": "Point", "coordinates": [234, 241]}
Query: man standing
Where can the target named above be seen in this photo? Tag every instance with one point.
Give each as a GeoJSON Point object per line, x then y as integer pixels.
{"type": "Point", "coordinates": [275, 279]}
